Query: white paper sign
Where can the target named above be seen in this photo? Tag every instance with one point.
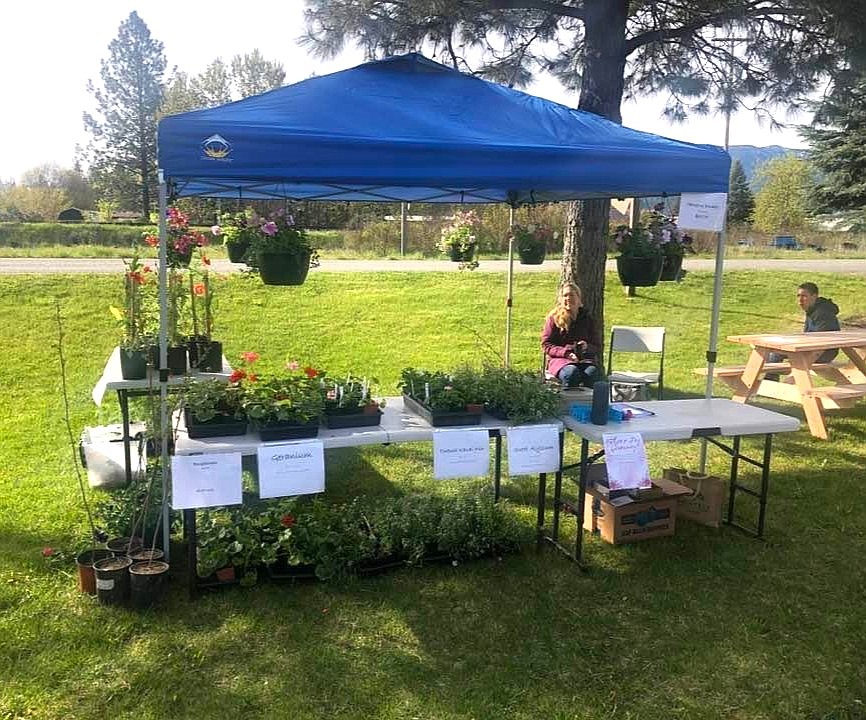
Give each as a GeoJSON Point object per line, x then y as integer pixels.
{"type": "Point", "coordinates": [296, 468]}
{"type": "Point", "coordinates": [200, 481]}
{"type": "Point", "coordinates": [625, 457]}
{"type": "Point", "coordinates": [533, 449]}
{"type": "Point", "coordinates": [460, 453]}
{"type": "Point", "coordinates": [702, 211]}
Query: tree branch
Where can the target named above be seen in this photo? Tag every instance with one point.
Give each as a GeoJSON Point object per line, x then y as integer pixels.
{"type": "Point", "coordinates": [549, 7]}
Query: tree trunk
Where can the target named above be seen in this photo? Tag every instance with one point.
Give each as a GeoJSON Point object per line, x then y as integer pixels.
{"type": "Point", "coordinates": [586, 230]}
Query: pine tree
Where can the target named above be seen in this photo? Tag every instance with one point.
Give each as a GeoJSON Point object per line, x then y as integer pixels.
{"type": "Point", "coordinates": [123, 149]}
{"type": "Point", "coordinates": [741, 202]}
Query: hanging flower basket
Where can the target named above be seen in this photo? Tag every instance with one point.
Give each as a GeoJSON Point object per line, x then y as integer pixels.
{"type": "Point", "coordinates": [639, 271]}
{"type": "Point", "coordinates": [534, 256]}
{"type": "Point", "coordinates": [671, 267]}
{"type": "Point", "coordinates": [284, 268]}
{"type": "Point", "coordinates": [237, 251]}
{"type": "Point", "coordinates": [458, 255]}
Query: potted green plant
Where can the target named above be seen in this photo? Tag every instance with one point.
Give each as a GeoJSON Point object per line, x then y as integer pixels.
{"type": "Point", "coordinates": [531, 242]}
{"type": "Point", "coordinates": [459, 239]}
{"type": "Point", "coordinates": [348, 402]}
{"type": "Point", "coordinates": [437, 398]}
{"type": "Point", "coordinates": [205, 353]}
{"type": "Point", "coordinates": [639, 262]}
{"type": "Point", "coordinates": [237, 234]}
{"type": "Point", "coordinates": [519, 395]}
{"type": "Point", "coordinates": [286, 406]}
{"type": "Point", "coordinates": [132, 319]}
{"type": "Point", "coordinates": [283, 251]}
{"type": "Point", "coordinates": [228, 545]}
{"type": "Point", "coordinates": [672, 243]}
{"type": "Point", "coordinates": [213, 407]}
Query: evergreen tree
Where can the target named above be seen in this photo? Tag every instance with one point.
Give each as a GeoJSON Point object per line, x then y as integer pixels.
{"type": "Point", "coordinates": [123, 149]}
{"type": "Point", "coordinates": [741, 202]}
{"type": "Point", "coordinates": [838, 140]}
{"type": "Point", "coordinates": [608, 49]}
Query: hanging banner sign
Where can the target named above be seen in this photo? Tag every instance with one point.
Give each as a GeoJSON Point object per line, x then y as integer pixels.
{"type": "Point", "coordinates": [291, 469]}
{"type": "Point", "coordinates": [460, 453]}
{"type": "Point", "coordinates": [201, 481]}
{"type": "Point", "coordinates": [533, 449]}
{"type": "Point", "coordinates": [702, 211]}
{"type": "Point", "coordinates": [625, 457]}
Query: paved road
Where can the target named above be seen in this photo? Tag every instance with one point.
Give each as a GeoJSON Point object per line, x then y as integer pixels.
{"type": "Point", "coordinates": [18, 266]}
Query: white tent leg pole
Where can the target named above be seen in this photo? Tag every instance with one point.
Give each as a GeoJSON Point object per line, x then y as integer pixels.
{"type": "Point", "coordinates": [508, 299]}
{"type": "Point", "coordinates": [163, 364]}
{"type": "Point", "coordinates": [714, 328]}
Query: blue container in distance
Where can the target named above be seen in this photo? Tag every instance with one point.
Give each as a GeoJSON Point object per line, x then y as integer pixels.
{"type": "Point", "coordinates": [600, 402]}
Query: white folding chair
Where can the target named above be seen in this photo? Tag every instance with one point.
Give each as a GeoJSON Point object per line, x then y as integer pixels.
{"type": "Point", "coordinates": [630, 384]}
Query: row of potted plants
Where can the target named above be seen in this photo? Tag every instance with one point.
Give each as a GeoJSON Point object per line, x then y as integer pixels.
{"type": "Point", "coordinates": [459, 397]}
{"type": "Point", "coordinates": [285, 405]}
{"type": "Point", "coordinates": [310, 538]}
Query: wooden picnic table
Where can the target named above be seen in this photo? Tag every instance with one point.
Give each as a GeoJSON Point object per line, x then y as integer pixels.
{"type": "Point", "coordinates": [802, 350]}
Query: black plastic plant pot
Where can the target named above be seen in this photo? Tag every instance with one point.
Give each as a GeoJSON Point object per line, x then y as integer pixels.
{"type": "Point", "coordinates": [288, 431]}
{"type": "Point", "coordinates": [218, 426]}
{"type": "Point", "coordinates": [205, 355]}
{"type": "Point", "coordinates": [112, 580]}
{"type": "Point", "coordinates": [133, 364]}
{"type": "Point", "coordinates": [177, 360]}
{"type": "Point", "coordinates": [358, 418]}
{"type": "Point", "coordinates": [237, 251]}
{"type": "Point", "coordinates": [147, 582]}
{"type": "Point", "coordinates": [442, 418]}
{"type": "Point", "coordinates": [146, 555]}
{"type": "Point", "coordinates": [458, 255]}
{"type": "Point", "coordinates": [671, 268]}
{"type": "Point", "coordinates": [84, 564]}
{"type": "Point", "coordinates": [639, 271]}
{"type": "Point", "coordinates": [122, 546]}
{"type": "Point", "coordinates": [535, 256]}
{"type": "Point", "coordinates": [283, 268]}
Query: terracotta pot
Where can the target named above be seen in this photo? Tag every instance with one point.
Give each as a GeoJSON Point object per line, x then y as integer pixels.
{"type": "Point", "coordinates": [84, 563]}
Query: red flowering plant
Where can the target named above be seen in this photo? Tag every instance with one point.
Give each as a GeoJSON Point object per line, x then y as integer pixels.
{"type": "Point", "coordinates": [133, 318]}
{"type": "Point", "coordinates": [295, 395]}
{"type": "Point", "coordinates": [209, 398]}
{"type": "Point", "coordinates": [201, 298]}
{"type": "Point", "coordinates": [181, 241]}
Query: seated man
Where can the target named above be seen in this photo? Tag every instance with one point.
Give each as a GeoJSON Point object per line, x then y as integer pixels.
{"type": "Point", "coordinates": [821, 316]}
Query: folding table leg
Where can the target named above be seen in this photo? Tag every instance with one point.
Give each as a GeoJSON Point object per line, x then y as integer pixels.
{"type": "Point", "coordinates": [123, 400]}
{"type": "Point", "coordinates": [497, 468]}
{"type": "Point", "coordinates": [765, 483]}
{"type": "Point", "coordinates": [581, 500]}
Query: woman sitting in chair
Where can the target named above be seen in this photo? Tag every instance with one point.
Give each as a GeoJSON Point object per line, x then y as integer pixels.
{"type": "Point", "coordinates": [570, 341]}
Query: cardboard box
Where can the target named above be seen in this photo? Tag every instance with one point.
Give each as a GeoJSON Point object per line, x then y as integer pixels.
{"type": "Point", "coordinates": [705, 502]}
{"type": "Point", "coordinates": [624, 520]}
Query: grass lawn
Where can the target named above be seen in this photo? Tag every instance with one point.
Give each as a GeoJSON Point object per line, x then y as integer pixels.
{"type": "Point", "coordinates": [706, 624]}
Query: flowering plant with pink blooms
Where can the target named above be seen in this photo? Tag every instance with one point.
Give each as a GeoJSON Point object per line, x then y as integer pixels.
{"type": "Point", "coordinates": [181, 241]}
{"type": "Point", "coordinates": [295, 395]}
{"type": "Point", "coordinates": [279, 234]}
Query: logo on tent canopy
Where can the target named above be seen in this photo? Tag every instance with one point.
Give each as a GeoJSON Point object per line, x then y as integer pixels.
{"type": "Point", "coordinates": [216, 147]}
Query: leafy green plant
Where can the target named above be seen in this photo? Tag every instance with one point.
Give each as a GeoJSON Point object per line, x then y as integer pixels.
{"type": "Point", "coordinates": [348, 393]}
{"type": "Point", "coordinates": [137, 278]}
{"type": "Point", "coordinates": [435, 389]}
{"type": "Point", "coordinates": [531, 237]}
{"type": "Point", "coordinates": [296, 397]}
{"type": "Point", "coordinates": [520, 395]}
{"type": "Point", "coordinates": [210, 397]}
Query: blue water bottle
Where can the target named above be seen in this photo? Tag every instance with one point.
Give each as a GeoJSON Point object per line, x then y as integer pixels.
{"type": "Point", "coordinates": [600, 402]}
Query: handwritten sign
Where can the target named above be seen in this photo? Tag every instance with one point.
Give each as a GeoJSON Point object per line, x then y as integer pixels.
{"type": "Point", "coordinates": [625, 457]}
{"type": "Point", "coordinates": [460, 453]}
{"type": "Point", "coordinates": [291, 469]}
{"type": "Point", "coordinates": [200, 481]}
{"type": "Point", "coordinates": [533, 449]}
{"type": "Point", "coordinates": [703, 211]}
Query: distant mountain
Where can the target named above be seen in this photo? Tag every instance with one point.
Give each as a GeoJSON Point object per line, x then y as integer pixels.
{"type": "Point", "coordinates": [752, 157]}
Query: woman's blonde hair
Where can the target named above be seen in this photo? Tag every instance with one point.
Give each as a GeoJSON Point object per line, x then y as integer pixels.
{"type": "Point", "coordinates": [559, 314]}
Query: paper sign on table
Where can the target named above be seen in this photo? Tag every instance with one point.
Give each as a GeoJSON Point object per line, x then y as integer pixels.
{"type": "Point", "coordinates": [625, 458]}
{"type": "Point", "coordinates": [200, 481]}
{"type": "Point", "coordinates": [460, 453]}
{"type": "Point", "coordinates": [702, 211]}
{"type": "Point", "coordinates": [533, 449]}
{"type": "Point", "coordinates": [291, 469]}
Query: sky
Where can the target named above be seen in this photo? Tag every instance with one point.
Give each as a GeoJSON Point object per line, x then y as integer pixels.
{"type": "Point", "coordinates": [50, 49]}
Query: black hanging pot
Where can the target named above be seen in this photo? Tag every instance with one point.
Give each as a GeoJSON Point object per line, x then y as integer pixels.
{"type": "Point", "coordinates": [458, 255]}
{"type": "Point", "coordinates": [237, 251]}
{"type": "Point", "coordinates": [671, 267]}
{"type": "Point", "coordinates": [284, 268]}
{"type": "Point", "coordinates": [639, 271]}
{"type": "Point", "coordinates": [532, 256]}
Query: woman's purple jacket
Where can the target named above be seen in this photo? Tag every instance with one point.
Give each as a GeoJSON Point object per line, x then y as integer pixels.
{"type": "Point", "coordinates": [558, 344]}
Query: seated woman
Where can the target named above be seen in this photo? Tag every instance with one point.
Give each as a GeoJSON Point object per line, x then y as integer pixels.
{"type": "Point", "coordinates": [570, 340]}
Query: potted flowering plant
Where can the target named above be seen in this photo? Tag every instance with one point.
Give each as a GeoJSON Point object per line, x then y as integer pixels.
{"type": "Point", "coordinates": [672, 243]}
{"type": "Point", "coordinates": [639, 262]}
{"type": "Point", "coordinates": [237, 231]}
{"type": "Point", "coordinates": [285, 406]}
{"type": "Point", "coordinates": [283, 252]}
{"type": "Point", "coordinates": [133, 319]}
{"type": "Point", "coordinates": [459, 240]}
{"type": "Point", "coordinates": [205, 353]}
{"type": "Point", "coordinates": [531, 242]}
{"type": "Point", "coordinates": [214, 407]}
{"type": "Point", "coordinates": [348, 402]}
{"type": "Point", "coordinates": [439, 398]}
{"type": "Point", "coordinates": [181, 241]}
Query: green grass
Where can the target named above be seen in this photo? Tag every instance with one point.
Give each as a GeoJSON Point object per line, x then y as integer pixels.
{"type": "Point", "coordinates": [706, 624]}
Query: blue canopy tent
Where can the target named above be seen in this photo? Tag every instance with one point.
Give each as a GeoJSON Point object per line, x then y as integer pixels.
{"type": "Point", "coordinates": [409, 129]}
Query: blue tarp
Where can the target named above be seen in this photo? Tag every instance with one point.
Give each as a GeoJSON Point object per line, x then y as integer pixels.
{"type": "Point", "coordinates": [409, 129]}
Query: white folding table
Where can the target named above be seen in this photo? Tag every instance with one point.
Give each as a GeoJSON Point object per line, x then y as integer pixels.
{"type": "Point", "coordinates": [674, 420]}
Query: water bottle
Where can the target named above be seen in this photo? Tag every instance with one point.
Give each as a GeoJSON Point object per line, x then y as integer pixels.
{"type": "Point", "coordinates": [600, 402]}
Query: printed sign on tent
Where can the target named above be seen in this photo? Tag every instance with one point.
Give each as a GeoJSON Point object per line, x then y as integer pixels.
{"type": "Point", "coordinates": [296, 468]}
{"type": "Point", "coordinates": [460, 453]}
{"type": "Point", "coordinates": [625, 458]}
{"type": "Point", "coordinates": [703, 211]}
{"type": "Point", "coordinates": [533, 449]}
{"type": "Point", "coordinates": [200, 481]}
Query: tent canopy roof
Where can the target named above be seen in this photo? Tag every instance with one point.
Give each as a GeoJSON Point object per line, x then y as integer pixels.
{"type": "Point", "coordinates": [409, 129]}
